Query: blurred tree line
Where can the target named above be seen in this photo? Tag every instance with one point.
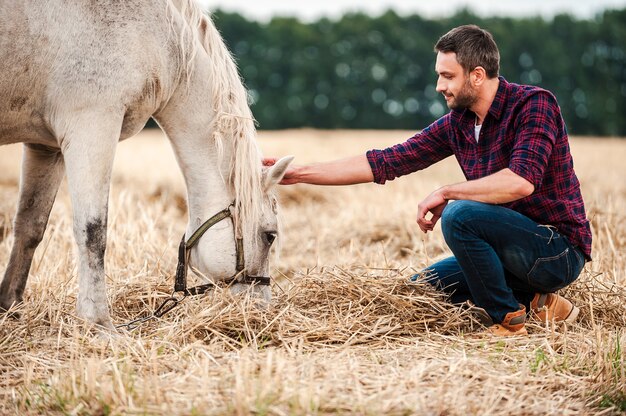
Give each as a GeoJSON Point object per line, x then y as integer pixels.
{"type": "Point", "coordinates": [378, 72]}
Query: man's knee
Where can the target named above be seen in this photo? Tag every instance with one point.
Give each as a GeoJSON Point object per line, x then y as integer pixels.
{"type": "Point", "coordinates": [458, 213]}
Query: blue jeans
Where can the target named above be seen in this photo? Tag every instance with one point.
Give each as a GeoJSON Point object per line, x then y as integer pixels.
{"type": "Point", "coordinates": [501, 258]}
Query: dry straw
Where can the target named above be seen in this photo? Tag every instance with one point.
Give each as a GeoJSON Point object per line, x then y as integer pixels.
{"type": "Point", "coordinates": [346, 333]}
{"type": "Point", "coordinates": [319, 308]}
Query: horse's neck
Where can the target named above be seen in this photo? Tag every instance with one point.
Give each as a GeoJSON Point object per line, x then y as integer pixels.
{"type": "Point", "coordinates": [206, 175]}
{"type": "Point", "coordinates": [216, 152]}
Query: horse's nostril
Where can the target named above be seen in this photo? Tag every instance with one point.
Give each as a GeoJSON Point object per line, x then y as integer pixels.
{"type": "Point", "coordinates": [270, 236]}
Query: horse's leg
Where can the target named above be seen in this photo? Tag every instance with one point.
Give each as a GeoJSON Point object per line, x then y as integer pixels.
{"type": "Point", "coordinates": [42, 171]}
{"type": "Point", "coordinates": [89, 149]}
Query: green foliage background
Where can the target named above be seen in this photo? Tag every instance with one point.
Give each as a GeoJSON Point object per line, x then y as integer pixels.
{"type": "Point", "coordinates": [378, 72]}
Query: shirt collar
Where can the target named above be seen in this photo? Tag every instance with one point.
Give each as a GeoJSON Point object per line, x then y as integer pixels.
{"type": "Point", "coordinates": [499, 101]}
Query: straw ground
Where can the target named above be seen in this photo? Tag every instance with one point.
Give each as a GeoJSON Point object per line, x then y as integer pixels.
{"type": "Point", "coordinates": [345, 333]}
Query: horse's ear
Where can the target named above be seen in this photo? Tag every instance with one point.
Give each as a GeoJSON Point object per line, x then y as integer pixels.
{"type": "Point", "coordinates": [275, 173]}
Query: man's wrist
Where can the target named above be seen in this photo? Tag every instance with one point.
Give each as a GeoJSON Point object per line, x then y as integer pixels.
{"type": "Point", "coordinates": [444, 191]}
{"type": "Point", "coordinates": [297, 174]}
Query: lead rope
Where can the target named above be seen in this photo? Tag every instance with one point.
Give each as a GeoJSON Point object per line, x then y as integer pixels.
{"type": "Point", "coordinates": [167, 305]}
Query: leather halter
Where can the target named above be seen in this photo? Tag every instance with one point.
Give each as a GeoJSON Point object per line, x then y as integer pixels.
{"type": "Point", "coordinates": [184, 251]}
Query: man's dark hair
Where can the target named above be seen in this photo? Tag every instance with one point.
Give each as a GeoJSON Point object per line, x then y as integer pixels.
{"type": "Point", "coordinates": [473, 47]}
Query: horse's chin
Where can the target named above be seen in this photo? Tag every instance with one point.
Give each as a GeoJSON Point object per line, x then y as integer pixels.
{"type": "Point", "coordinates": [261, 294]}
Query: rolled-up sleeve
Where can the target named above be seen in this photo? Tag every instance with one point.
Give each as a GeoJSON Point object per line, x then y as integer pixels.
{"type": "Point", "coordinates": [420, 151]}
{"type": "Point", "coordinates": [535, 138]}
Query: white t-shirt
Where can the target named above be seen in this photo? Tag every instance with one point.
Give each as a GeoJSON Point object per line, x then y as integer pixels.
{"type": "Point", "coordinates": [477, 128]}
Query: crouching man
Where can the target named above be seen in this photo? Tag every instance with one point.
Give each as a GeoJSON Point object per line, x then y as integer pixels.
{"type": "Point", "coordinates": [517, 227]}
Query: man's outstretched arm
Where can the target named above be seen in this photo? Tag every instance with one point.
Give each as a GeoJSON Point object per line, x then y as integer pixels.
{"type": "Point", "coordinates": [348, 171]}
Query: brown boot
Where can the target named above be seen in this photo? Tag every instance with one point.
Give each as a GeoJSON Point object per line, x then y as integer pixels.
{"type": "Point", "coordinates": [552, 307]}
{"type": "Point", "coordinates": [512, 325]}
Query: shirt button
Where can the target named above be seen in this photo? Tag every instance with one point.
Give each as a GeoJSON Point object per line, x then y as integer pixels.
{"type": "Point", "coordinates": [481, 160]}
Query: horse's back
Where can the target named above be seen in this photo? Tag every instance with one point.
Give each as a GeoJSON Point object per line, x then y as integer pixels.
{"type": "Point", "coordinates": [62, 57]}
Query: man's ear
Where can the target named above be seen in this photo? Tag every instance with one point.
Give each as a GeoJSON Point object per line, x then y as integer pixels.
{"type": "Point", "coordinates": [479, 75]}
{"type": "Point", "coordinates": [275, 173]}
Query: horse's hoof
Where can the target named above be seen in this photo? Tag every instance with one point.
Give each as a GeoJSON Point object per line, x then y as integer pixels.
{"type": "Point", "coordinates": [107, 334]}
{"type": "Point", "coordinates": [10, 311]}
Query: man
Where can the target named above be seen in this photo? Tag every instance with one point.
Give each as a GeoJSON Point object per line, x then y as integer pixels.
{"type": "Point", "coordinates": [517, 227]}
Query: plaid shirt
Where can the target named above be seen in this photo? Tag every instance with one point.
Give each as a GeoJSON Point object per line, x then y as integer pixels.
{"type": "Point", "coordinates": [523, 131]}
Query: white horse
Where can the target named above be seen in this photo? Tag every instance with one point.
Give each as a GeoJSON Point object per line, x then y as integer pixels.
{"type": "Point", "coordinates": [78, 76]}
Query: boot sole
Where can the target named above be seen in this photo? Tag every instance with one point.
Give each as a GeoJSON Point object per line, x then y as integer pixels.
{"type": "Point", "coordinates": [573, 314]}
{"type": "Point", "coordinates": [571, 317]}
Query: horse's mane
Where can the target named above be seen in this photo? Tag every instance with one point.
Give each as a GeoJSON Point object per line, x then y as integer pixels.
{"type": "Point", "coordinates": [232, 120]}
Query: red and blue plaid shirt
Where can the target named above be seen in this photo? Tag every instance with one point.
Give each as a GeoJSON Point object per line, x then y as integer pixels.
{"type": "Point", "coordinates": [523, 131]}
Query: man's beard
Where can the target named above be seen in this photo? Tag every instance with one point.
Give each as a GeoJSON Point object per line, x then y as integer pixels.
{"type": "Point", "coordinates": [464, 99]}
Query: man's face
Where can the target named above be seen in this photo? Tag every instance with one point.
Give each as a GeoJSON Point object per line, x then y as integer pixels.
{"type": "Point", "coordinates": [453, 83]}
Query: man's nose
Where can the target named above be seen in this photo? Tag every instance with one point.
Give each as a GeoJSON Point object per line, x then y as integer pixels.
{"type": "Point", "coordinates": [440, 86]}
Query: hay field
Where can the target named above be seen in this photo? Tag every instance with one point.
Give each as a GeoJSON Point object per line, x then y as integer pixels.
{"type": "Point", "coordinates": [345, 333]}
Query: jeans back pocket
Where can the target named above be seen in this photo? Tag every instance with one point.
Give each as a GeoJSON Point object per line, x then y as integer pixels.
{"type": "Point", "coordinates": [550, 274]}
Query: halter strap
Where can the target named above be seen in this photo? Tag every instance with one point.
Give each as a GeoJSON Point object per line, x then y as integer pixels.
{"type": "Point", "coordinates": [184, 251]}
{"type": "Point", "coordinates": [193, 240]}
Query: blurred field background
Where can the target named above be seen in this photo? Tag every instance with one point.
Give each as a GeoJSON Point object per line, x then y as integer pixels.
{"type": "Point", "coordinates": [345, 333]}
{"type": "Point", "coordinates": [367, 70]}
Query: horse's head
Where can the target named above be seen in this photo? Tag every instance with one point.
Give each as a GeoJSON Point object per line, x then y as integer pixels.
{"type": "Point", "coordinates": [218, 256]}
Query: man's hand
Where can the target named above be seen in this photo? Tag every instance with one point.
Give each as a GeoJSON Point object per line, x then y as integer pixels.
{"type": "Point", "coordinates": [434, 203]}
{"type": "Point", "coordinates": [290, 175]}
{"type": "Point", "coordinates": [269, 161]}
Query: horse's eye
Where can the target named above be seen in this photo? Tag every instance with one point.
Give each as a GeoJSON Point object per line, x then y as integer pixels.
{"type": "Point", "coordinates": [270, 236]}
